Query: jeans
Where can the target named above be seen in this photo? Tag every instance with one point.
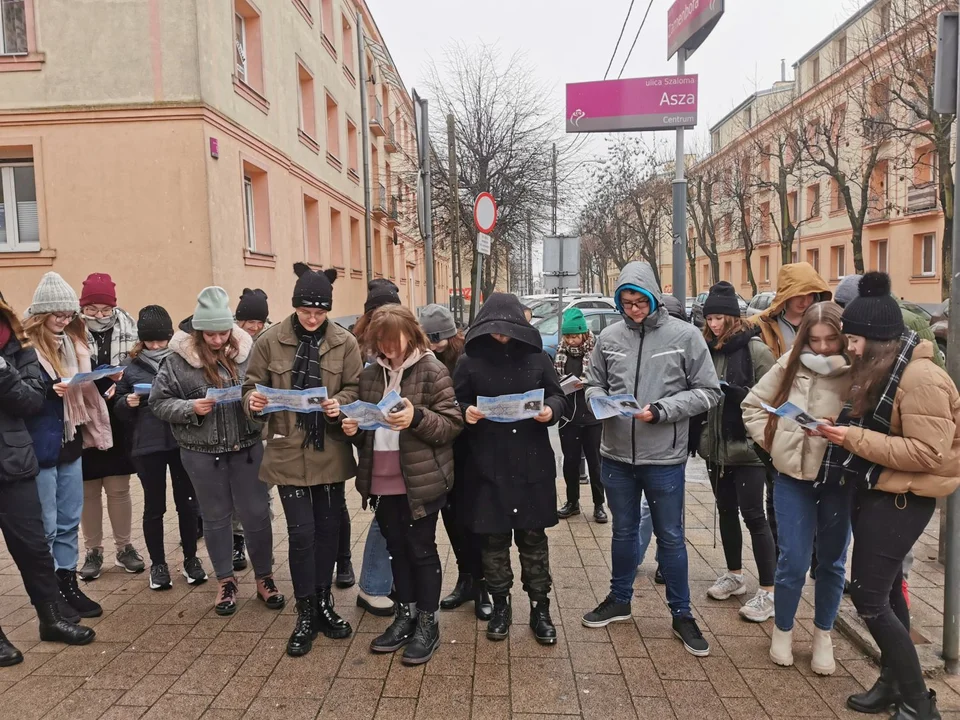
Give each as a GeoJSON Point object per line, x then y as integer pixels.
{"type": "Point", "coordinates": [885, 528]}
{"type": "Point", "coordinates": [805, 512]}
{"type": "Point", "coordinates": [152, 471]}
{"type": "Point", "coordinates": [22, 527]}
{"type": "Point", "coordinates": [376, 575]}
{"type": "Point", "coordinates": [645, 532]}
{"type": "Point", "coordinates": [228, 484]}
{"type": "Point", "coordinates": [413, 552]}
{"type": "Point", "coordinates": [574, 440]}
{"type": "Point", "coordinates": [534, 563]}
{"type": "Point", "coordinates": [60, 489]}
{"type": "Point", "coordinates": [739, 491]}
{"type": "Point", "coordinates": [663, 486]}
{"type": "Point", "coordinates": [313, 523]}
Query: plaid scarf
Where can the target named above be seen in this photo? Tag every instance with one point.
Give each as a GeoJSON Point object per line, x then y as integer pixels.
{"type": "Point", "coordinates": [839, 463]}
{"type": "Point", "coordinates": [122, 339]}
{"type": "Point", "coordinates": [306, 374]}
{"type": "Point", "coordinates": [565, 351]}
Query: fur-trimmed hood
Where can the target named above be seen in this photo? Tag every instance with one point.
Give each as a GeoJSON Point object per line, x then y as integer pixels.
{"type": "Point", "coordinates": [183, 345]}
{"type": "Point", "coordinates": [14, 322]}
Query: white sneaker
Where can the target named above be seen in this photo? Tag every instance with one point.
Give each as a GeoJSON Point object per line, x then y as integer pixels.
{"type": "Point", "coordinates": [759, 608]}
{"type": "Point", "coordinates": [781, 647]}
{"type": "Point", "coordinates": [726, 586]}
{"type": "Point", "coordinates": [822, 662]}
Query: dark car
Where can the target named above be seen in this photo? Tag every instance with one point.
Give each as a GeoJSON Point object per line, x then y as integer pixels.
{"type": "Point", "coordinates": [759, 303]}
{"type": "Point", "coordinates": [597, 319]}
{"type": "Point", "coordinates": [696, 314]}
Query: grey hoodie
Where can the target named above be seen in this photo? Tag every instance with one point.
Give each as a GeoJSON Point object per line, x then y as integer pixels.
{"type": "Point", "coordinates": [662, 360]}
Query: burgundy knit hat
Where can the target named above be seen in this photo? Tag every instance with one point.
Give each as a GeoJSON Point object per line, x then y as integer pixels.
{"type": "Point", "coordinates": [98, 289]}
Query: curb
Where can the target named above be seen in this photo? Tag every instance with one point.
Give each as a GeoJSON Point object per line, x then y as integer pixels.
{"type": "Point", "coordinates": [849, 624]}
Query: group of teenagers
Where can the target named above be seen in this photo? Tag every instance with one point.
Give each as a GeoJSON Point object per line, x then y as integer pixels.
{"type": "Point", "coordinates": [887, 444]}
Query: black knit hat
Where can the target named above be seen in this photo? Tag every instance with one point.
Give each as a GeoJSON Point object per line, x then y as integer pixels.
{"type": "Point", "coordinates": [154, 323]}
{"type": "Point", "coordinates": [722, 300]}
{"type": "Point", "coordinates": [382, 282]}
{"type": "Point", "coordinates": [252, 305]}
{"type": "Point", "coordinates": [313, 289]}
{"type": "Point", "coordinates": [874, 314]}
{"type": "Point", "coordinates": [381, 293]}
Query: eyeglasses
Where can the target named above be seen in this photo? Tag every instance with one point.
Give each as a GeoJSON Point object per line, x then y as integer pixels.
{"type": "Point", "coordinates": [64, 317]}
{"type": "Point", "coordinates": [635, 304]}
{"type": "Point", "coordinates": [92, 311]}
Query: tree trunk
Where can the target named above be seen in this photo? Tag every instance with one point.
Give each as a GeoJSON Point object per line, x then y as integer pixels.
{"type": "Point", "coordinates": [748, 255]}
{"type": "Point", "coordinates": [856, 238]}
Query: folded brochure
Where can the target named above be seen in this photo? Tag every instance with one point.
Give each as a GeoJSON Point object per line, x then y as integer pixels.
{"type": "Point", "coordinates": [792, 412]}
{"type": "Point", "coordinates": [298, 401]}
{"type": "Point", "coordinates": [511, 408]}
{"type": "Point", "coordinates": [608, 406]}
{"type": "Point", "coordinates": [570, 384]}
{"type": "Point", "coordinates": [231, 394]}
{"type": "Point", "coordinates": [374, 417]}
{"type": "Point", "coordinates": [98, 374]}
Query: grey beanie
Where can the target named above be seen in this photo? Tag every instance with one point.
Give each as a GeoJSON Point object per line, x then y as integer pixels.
{"type": "Point", "coordinates": [848, 290]}
{"type": "Point", "coordinates": [437, 322]}
{"type": "Point", "coordinates": [53, 295]}
{"type": "Point", "coordinates": [213, 312]}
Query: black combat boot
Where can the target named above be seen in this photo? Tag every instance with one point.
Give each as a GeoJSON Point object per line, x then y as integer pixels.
{"type": "Point", "coordinates": [425, 641]}
{"type": "Point", "coordinates": [306, 629]}
{"type": "Point", "coordinates": [568, 509]}
{"type": "Point", "coordinates": [85, 607]}
{"type": "Point", "coordinates": [53, 627]}
{"type": "Point", "coordinates": [398, 633]}
{"type": "Point", "coordinates": [9, 655]}
{"type": "Point", "coordinates": [499, 626]}
{"type": "Point", "coordinates": [329, 623]}
{"type": "Point", "coordinates": [482, 605]}
{"type": "Point", "coordinates": [922, 707]}
{"type": "Point", "coordinates": [880, 698]}
{"type": "Point", "coordinates": [462, 592]}
{"type": "Point", "coordinates": [540, 622]}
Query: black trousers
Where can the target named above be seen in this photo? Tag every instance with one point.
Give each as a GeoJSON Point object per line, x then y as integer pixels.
{"type": "Point", "coordinates": [467, 546]}
{"type": "Point", "coordinates": [22, 528]}
{"type": "Point", "coordinates": [414, 559]}
{"type": "Point", "coordinates": [739, 491]}
{"type": "Point", "coordinates": [534, 563]}
{"type": "Point", "coordinates": [313, 515]}
{"type": "Point", "coordinates": [343, 544]}
{"type": "Point", "coordinates": [152, 471]}
{"type": "Point", "coordinates": [574, 440]}
{"type": "Point", "coordinates": [771, 513]}
{"type": "Point", "coordinates": [885, 528]}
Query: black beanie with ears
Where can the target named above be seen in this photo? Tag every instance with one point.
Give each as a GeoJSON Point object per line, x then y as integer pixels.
{"type": "Point", "coordinates": [313, 289]}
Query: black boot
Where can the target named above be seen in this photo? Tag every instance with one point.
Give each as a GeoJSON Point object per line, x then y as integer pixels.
{"type": "Point", "coordinates": [568, 509]}
{"type": "Point", "coordinates": [461, 593]}
{"type": "Point", "coordinates": [345, 576]}
{"type": "Point", "coordinates": [9, 655]}
{"type": "Point", "coordinates": [425, 641]}
{"type": "Point", "coordinates": [66, 610]}
{"type": "Point", "coordinates": [53, 627]}
{"type": "Point", "coordinates": [482, 605]}
{"type": "Point", "coordinates": [328, 622]}
{"type": "Point", "coordinates": [305, 630]}
{"type": "Point", "coordinates": [239, 558]}
{"type": "Point", "coordinates": [883, 695]}
{"type": "Point", "coordinates": [540, 622]}
{"type": "Point", "coordinates": [922, 707]}
{"type": "Point", "coordinates": [85, 607]}
{"type": "Point", "coordinates": [399, 632]}
{"type": "Point", "coordinates": [499, 626]}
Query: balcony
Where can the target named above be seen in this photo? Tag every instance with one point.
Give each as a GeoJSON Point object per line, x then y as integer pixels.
{"type": "Point", "coordinates": [393, 216]}
{"type": "Point", "coordinates": [921, 198]}
{"type": "Point", "coordinates": [875, 127]}
{"type": "Point", "coordinates": [380, 203]}
{"type": "Point", "coordinates": [390, 140]}
{"type": "Point", "coordinates": [878, 209]}
{"type": "Point", "coordinates": [376, 119]}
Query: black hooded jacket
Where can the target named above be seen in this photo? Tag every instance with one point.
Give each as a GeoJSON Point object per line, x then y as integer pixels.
{"type": "Point", "coordinates": [511, 477]}
{"type": "Point", "coordinates": [21, 396]}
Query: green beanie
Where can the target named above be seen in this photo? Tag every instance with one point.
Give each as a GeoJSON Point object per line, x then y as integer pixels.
{"type": "Point", "coordinates": [573, 322]}
{"type": "Point", "coordinates": [213, 312]}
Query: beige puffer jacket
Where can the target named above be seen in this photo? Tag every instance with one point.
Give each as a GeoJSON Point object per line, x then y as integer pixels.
{"type": "Point", "coordinates": [794, 453]}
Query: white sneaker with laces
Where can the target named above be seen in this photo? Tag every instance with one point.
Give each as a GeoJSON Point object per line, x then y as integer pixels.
{"type": "Point", "coordinates": [726, 586]}
{"type": "Point", "coordinates": [759, 608]}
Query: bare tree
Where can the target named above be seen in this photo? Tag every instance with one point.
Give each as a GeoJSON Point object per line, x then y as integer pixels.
{"type": "Point", "coordinates": [704, 186]}
{"type": "Point", "coordinates": [740, 186]}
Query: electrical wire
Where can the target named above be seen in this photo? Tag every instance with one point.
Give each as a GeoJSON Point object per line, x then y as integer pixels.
{"type": "Point", "coordinates": [635, 38]}
{"type": "Point", "coordinates": [617, 46]}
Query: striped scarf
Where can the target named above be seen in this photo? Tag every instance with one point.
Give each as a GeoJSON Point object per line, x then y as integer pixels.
{"type": "Point", "coordinates": [564, 351]}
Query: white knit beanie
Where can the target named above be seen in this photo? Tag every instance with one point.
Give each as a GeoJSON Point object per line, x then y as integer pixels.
{"type": "Point", "coordinates": [53, 295]}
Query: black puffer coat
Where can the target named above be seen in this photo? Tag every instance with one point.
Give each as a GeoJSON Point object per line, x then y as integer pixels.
{"type": "Point", "coordinates": [149, 434]}
{"type": "Point", "coordinates": [21, 395]}
{"type": "Point", "coordinates": [511, 477]}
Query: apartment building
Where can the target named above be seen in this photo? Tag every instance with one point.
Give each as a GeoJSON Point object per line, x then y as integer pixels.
{"type": "Point", "coordinates": [845, 99]}
{"type": "Point", "coordinates": [182, 144]}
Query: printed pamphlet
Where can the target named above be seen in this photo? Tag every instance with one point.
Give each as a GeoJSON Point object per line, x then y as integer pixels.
{"type": "Point", "coordinates": [231, 394]}
{"type": "Point", "coordinates": [374, 417]}
{"type": "Point", "coordinates": [298, 401]}
{"type": "Point", "coordinates": [608, 406]}
{"type": "Point", "coordinates": [510, 408]}
{"type": "Point", "coordinates": [142, 388]}
{"type": "Point", "coordinates": [792, 412]}
{"type": "Point", "coordinates": [98, 374]}
{"type": "Point", "coordinates": [570, 384]}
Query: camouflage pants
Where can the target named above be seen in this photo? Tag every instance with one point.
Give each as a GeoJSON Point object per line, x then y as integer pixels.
{"type": "Point", "coordinates": [534, 562]}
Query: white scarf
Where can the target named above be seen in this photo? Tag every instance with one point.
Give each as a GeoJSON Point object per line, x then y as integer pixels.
{"type": "Point", "coordinates": [822, 364]}
{"type": "Point", "coordinates": [385, 440]}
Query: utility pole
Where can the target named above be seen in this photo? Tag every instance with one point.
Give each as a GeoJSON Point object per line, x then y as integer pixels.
{"type": "Point", "coordinates": [529, 255]}
{"type": "Point", "coordinates": [365, 139]}
{"type": "Point", "coordinates": [680, 206]}
{"type": "Point", "coordinates": [553, 166]}
{"type": "Point", "coordinates": [424, 129]}
{"type": "Point", "coordinates": [455, 219]}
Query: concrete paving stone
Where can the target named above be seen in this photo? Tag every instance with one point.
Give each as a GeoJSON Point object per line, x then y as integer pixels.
{"type": "Point", "coordinates": [724, 677]}
{"type": "Point", "coordinates": [641, 677]}
{"type": "Point", "coordinates": [159, 638]}
{"type": "Point", "coordinates": [835, 690]}
{"type": "Point", "coordinates": [491, 680]}
{"type": "Point", "coordinates": [125, 669]}
{"type": "Point", "coordinates": [604, 697]}
{"type": "Point", "coordinates": [594, 658]}
{"type": "Point", "coordinates": [283, 686]}
{"type": "Point", "coordinates": [626, 640]}
{"type": "Point", "coordinates": [492, 652]}
{"type": "Point", "coordinates": [452, 659]}
{"type": "Point", "coordinates": [361, 663]}
{"type": "Point", "coordinates": [747, 652]}
{"type": "Point", "coordinates": [208, 675]}
{"type": "Point", "coordinates": [524, 644]}
{"type": "Point", "coordinates": [744, 708]}
{"type": "Point", "coordinates": [491, 708]}
{"type": "Point", "coordinates": [727, 621]}
{"type": "Point", "coordinates": [351, 699]}
{"type": "Point", "coordinates": [784, 691]}
{"type": "Point", "coordinates": [179, 707]}
{"type": "Point", "coordinates": [207, 628]}
{"type": "Point", "coordinates": [82, 660]}
{"type": "Point", "coordinates": [118, 712]}
{"type": "Point", "coordinates": [33, 697]}
{"type": "Point", "coordinates": [182, 656]}
{"type": "Point", "coordinates": [396, 709]}
{"type": "Point", "coordinates": [238, 693]}
{"type": "Point", "coordinates": [947, 697]}
{"type": "Point", "coordinates": [85, 704]}
{"type": "Point", "coordinates": [543, 685]}
{"type": "Point", "coordinates": [574, 630]}
{"type": "Point", "coordinates": [218, 714]}
{"type": "Point", "coordinates": [672, 662]}
{"type": "Point", "coordinates": [695, 699]}
{"type": "Point", "coordinates": [233, 643]}
{"type": "Point", "coordinates": [147, 690]}
{"type": "Point", "coordinates": [444, 698]}
{"type": "Point", "coordinates": [263, 658]}
{"type": "Point", "coordinates": [650, 708]}
{"type": "Point", "coordinates": [403, 681]}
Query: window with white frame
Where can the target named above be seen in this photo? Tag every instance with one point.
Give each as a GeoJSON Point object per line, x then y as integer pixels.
{"type": "Point", "coordinates": [19, 222]}
{"type": "Point", "coordinates": [240, 43]}
{"type": "Point", "coordinates": [13, 27]}
{"type": "Point", "coordinates": [881, 256]}
{"type": "Point", "coordinates": [928, 255]}
{"type": "Point", "coordinates": [250, 224]}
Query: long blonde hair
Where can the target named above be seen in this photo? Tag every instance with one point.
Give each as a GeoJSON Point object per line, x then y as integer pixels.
{"type": "Point", "coordinates": [47, 344]}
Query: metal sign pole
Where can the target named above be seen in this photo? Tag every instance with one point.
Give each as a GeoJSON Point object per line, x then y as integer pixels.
{"type": "Point", "coordinates": [680, 207]}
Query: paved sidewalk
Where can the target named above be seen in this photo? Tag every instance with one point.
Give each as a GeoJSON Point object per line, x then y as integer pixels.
{"type": "Point", "coordinates": [167, 655]}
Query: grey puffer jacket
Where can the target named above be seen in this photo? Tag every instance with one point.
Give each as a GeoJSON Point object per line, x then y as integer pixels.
{"type": "Point", "coordinates": [181, 380]}
{"type": "Point", "coordinates": [662, 361]}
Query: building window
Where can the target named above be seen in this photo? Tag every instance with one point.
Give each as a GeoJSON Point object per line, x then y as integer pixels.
{"type": "Point", "coordinates": [347, 48]}
{"type": "Point", "coordinates": [744, 273]}
{"type": "Point", "coordinates": [333, 129]}
{"type": "Point", "coordinates": [13, 27]}
{"type": "Point", "coordinates": [249, 214]}
{"type": "Point", "coordinates": [880, 257]}
{"type": "Point", "coordinates": [924, 165]}
{"type": "Point", "coordinates": [765, 163]}
{"type": "Point", "coordinates": [256, 209]}
{"type": "Point", "coordinates": [307, 100]}
{"type": "Point", "coordinates": [838, 261]}
{"type": "Point", "coordinates": [391, 259]}
{"type": "Point", "coordinates": [19, 220]}
{"type": "Point", "coordinates": [326, 20]}
{"type": "Point", "coordinates": [728, 270]}
{"type": "Point", "coordinates": [765, 268]}
{"type": "Point", "coordinates": [928, 255]}
{"type": "Point", "coordinates": [885, 18]}
{"type": "Point", "coordinates": [841, 51]}
{"type": "Point", "coordinates": [353, 149]}
{"type": "Point", "coordinates": [377, 254]}
{"type": "Point", "coordinates": [765, 221]}
{"type": "Point", "coordinates": [336, 239]}
{"type": "Point", "coordinates": [311, 229]}
{"type": "Point", "coordinates": [836, 197]}
{"type": "Point", "coordinates": [793, 206]}
{"type": "Point", "coordinates": [715, 140]}
{"type": "Point", "coordinates": [240, 45]}
{"type": "Point", "coordinates": [813, 201]}
{"type": "Point", "coordinates": [748, 117]}
{"type": "Point", "coordinates": [815, 69]}
{"type": "Point", "coordinates": [795, 256]}
{"type": "Point", "coordinates": [813, 257]}
{"type": "Point", "coordinates": [248, 51]}
{"type": "Point", "coordinates": [356, 249]}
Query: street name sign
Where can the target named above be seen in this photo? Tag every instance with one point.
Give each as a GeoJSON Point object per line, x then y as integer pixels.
{"type": "Point", "coordinates": [638, 104]}
{"type": "Point", "coordinates": [689, 22]}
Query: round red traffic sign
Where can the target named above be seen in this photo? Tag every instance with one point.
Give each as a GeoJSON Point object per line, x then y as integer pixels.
{"type": "Point", "coordinates": [485, 213]}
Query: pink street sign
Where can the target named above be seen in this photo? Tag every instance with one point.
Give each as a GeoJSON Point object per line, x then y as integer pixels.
{"type": "Point", "coordinates": [656, 103]}
{"type": "Point", "coordinates": [689, 22]}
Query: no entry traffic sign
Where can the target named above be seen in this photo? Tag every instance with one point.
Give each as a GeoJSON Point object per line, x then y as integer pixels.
{"type": "Point", "coordinates": [485, 213]}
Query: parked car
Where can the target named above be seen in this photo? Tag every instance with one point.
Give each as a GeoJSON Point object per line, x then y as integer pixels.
{"type": "Point", "coordinates": [940, 325]}
{"type": "Point", "coordinates": [696, 313]}
{"type": "Point", "coordinates": [688, 306]}
{"type": "Point", "coordinates": [548, 308]}
{"type": "Point", "coordinates": [759, 303]}
{"type": "Point", "coordinates": [597, 319]}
